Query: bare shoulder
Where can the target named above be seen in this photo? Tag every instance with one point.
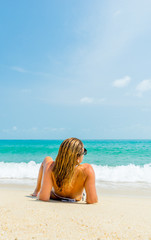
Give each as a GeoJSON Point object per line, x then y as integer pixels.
{"type": "Point", "coordinates": [88, 169]}
{"type": "Point", "coordinates": [48, 159]}
{"type": "Point", "coordinates": [48, 163]}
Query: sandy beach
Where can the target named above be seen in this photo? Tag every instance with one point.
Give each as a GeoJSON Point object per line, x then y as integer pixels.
{"type": "Point", "coordinates": [115, 216]}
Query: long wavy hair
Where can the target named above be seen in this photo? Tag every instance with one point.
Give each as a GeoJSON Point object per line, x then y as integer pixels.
{"type": "Point", "coordinates": [66, 160]}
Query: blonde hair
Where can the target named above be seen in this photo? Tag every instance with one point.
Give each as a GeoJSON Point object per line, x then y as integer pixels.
{"type": "Point", "coordinates": [66, 160]}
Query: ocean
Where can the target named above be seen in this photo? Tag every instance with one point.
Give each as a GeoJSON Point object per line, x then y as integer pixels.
{"type": "Point", "coordinates": [114, 161]}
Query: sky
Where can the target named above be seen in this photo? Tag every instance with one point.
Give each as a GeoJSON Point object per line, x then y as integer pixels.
{"type": "Point", "coordinates": [75, 69]}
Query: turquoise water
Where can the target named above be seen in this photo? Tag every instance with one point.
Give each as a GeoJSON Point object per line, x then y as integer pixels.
{"type": "Point", "coordinates": [113, 160]}
{"type": "Point", "coordinates": [100, 152]}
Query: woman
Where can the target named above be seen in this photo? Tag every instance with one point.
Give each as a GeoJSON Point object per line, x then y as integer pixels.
{"type": "Point", "coordinates": [66, 177]}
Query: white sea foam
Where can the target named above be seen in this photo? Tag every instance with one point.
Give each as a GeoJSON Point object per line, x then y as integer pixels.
{"type": "Point", "coordinates": [19, 170]}
{"type": "Point", "coordinates": [128, 174]}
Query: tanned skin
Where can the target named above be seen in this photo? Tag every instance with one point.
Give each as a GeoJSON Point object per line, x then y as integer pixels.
{"type": "Point", "coordinates": [83, 178]}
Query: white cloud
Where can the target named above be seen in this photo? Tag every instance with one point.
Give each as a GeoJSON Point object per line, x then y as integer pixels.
{"type": "Point", "coordinates": [143, 86]}
{"type": "Point", "coordinates": [34, 129]}
{"type": "Point", "coordinates": [18, 69]}
{"type": "Point", "coordinates": [26, 90]}
{"type": "Point", "coordinates": [5, 130]}
{"type": "Point", "coordinates": [14, 128]}
{"type": "Point", "coordinates": [146, 109]}
{"type": "Point", "coordinates": [116, 13]}
{"type": "Point", "coordinates": [86, 100]}
{"type": "Point", "coordinates": [53, 129]}
{"type": "Point", "coordinates": [122, 82]}
{"type": "Point", "coordinates": [22, 70]}
{"type": "Point", "coordinates": [10, 130]}
{"type": "Point", "coordinates": [101, 100]}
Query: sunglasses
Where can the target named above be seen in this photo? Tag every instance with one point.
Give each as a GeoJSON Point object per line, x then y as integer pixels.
{"type": "Point", "coordinates": [85, 152]}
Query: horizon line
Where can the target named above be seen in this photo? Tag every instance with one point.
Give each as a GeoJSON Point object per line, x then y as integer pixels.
{"type": "Point", "coordinates": [28, 139]}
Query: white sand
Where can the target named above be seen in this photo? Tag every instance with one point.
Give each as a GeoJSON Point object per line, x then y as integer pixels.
{"type": "Point", "coordinates": [116, 216]}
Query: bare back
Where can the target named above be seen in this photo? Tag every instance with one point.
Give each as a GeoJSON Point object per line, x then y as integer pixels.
{"type": "Point", "coordinates": [75, 189]}
{"type": "Point", "coordinates": [83, 177]}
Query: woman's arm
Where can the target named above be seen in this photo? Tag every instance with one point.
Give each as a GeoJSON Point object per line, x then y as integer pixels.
{"type": "Point", "coordinates": [46, 185]}
{"type": "Point", "coordinates": [91, 195]}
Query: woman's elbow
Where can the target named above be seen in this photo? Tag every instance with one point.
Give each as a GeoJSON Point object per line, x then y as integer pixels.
{"type": "Point", "coordinates": [91, 201]}
{"type": "Point", "coordinates": [42, 198]}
